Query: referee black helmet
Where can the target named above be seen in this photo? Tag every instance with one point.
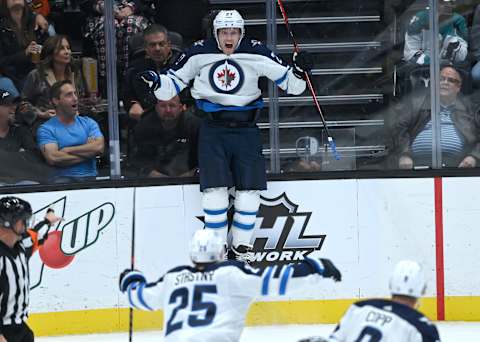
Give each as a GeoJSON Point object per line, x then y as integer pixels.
{"type": "Point", "coordinates": [13, 209]}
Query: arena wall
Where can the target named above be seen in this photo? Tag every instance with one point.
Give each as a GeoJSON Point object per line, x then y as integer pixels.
{"type": "Point", "coordinates": [364, 226]}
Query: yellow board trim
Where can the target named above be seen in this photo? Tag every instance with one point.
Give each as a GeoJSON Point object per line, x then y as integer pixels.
{"type": "Point", "coordinates": [260, 313]}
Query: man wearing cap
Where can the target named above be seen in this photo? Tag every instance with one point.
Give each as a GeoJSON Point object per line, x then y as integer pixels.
{"type": "Point", "coordinates": [160, 53]}
{"type": "Point", "coordinates": [17, 147]}
{"type": "Point", "coordinates": [13, 138]}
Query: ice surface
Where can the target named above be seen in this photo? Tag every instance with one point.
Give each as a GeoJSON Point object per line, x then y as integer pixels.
{"type": "Point", "coordinates": [449, 332]}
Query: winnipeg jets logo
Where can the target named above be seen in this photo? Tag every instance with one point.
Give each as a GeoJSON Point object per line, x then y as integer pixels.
{"type": "Point", "coordinates": [255, 42]}
{"type": "Point", "coordinates": [5, 94]}
{"type": "Point", "coordinates": [226, 76]}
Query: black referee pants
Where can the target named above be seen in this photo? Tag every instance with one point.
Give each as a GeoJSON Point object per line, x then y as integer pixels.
{"type": "Point", "coordinates": [17, 333]}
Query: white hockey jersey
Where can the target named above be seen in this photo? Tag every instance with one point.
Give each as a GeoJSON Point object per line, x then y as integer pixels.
{"type": "Point", "coordinates": [381, 320]}
{"type": "Point", "coordinates": [211, 305]}
{"type": "Point", "coordinates": [227, 82]}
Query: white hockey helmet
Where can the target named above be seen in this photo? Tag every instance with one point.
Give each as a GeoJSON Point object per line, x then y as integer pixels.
{"type": "Point", "coordinates": [206, 246]}
{"type": "Point", "coordinates": [407, 279]}
{"type": "Point", "coordinates": [228, 19]}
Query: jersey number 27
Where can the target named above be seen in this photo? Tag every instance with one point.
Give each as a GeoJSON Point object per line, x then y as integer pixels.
{"type": "Point", "coordinates": [198, 305]}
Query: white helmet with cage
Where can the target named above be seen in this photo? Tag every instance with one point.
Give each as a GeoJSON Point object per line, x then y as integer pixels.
{"type": "Point", "coordinates": [407, 279]}
{"type": "Point", "coordinates": [206, 246]}
{"type": "Point", "coordinates": [228, 19]}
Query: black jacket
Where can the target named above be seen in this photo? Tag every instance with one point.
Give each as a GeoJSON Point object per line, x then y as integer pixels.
{"type": "Point", "coordinates": [14, 63]}
{"type": "Point", "coordinates": [413, 116]}
{"type": "Point", "coordinates": [135, 90]}
{"type": "Point", "coordinates": [171, 152]}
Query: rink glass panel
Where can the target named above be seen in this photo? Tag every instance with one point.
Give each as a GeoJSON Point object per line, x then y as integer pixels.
{"type": "Point", "coordinates": [361, 78]}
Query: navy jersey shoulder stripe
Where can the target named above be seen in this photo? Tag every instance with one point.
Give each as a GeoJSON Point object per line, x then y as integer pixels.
{"type": "Point", "coordinates": [253, 46]}
{"type": "Point", "coordinates": [412, 316]}
{"type": "Point", "coordinates": [173, 270]}
{"type": "Point", "coordinates": [198, 48]}
{"type": "Point", "coordinates": [245, 268]}
{"type": "Point", "coordinates": [182, 268]}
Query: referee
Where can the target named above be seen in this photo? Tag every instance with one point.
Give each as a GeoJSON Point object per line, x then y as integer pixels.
{"type": "Point", "coordinates": [16, 246]}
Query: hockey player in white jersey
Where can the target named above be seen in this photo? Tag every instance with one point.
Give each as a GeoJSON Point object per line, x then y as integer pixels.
{"type": "Point", "coordinates": [209, 301]}
{"type": "Point", "coordinates": [225, 71]}
{"type": "Point", "coordinates": [382, 320]}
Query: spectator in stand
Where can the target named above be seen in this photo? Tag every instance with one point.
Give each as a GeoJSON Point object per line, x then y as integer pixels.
{"type": "Point", "coordinates": [56, 64]}
{"type": "Point", "coordinates": [453, 36]}
{"type": "Point", "coordinates": [189, 24]}
{"type": "Point", "coordinates": [7, 84]}
{"type": "Point", "coordinates": [159, 56]}
{"type": "Point", "coordinates": [460, 127]}
{"type": "Point", "coordinates": [70, 142]}
{"type": "Point", "coordinates": [21, 33]}
{"type": "Point", "coordinates": [475, 47]}
{"type": "Point", "coordinates": [128, 22]}
{"type": "Point", "coordinates": [166, 140]}
{"type": "Point", "coordinates": [17, 148]}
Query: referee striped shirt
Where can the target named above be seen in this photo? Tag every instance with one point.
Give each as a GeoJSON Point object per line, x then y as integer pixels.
{"type": "Point", "coordinates": [14, 284]}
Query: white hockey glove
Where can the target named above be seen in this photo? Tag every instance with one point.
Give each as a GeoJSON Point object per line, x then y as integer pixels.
{"type": "Point", "coordinates": [129, 277]}
{"type": "Point", "coordinates": [151, 78]}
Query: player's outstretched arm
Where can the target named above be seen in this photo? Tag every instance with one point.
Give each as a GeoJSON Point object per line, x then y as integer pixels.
{"type": "Point", "coordinates": [140, 295]}
{"type": "Point", "coordinates": [321, 266]}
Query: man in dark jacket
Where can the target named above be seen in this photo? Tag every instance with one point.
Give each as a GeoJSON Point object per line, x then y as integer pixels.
{"type": "Point", "coordinates": [159, 55]}
{"type": "Point", "coordinates": [18, 153]}
{"type": "Point", "coordinates": [460, 127]}
{"type": "Point", "coordinates": [166, 140]}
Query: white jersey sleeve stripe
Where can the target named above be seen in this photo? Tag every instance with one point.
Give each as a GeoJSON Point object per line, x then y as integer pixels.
{"type": "Point", "coordinates": [283, 78]}
{"type": "Point", "coordinates": [266, 280]}
{"type": "Point", "coordinates": [285, 276]}
{"type": "Point", "coordinates": [141, 298]}
{"type": "Point", "coordinates": [135, 297]}
{"type": "Point", "coordinates": [130, 296]}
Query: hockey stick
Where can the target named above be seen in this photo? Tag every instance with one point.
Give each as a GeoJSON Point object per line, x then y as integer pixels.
{"type": "Point", "coordinates": [331, 142]}
{"type": "Point", "coordinates": [132, 265]}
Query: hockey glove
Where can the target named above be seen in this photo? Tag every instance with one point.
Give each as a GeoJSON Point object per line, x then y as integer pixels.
{"type": "Point", "coordinates": [302, 62]}
{"type": "Point", "coordinates": [329, 270]}
{"type": "Point", "coordinates": [128, 277]}
{"type": "Point", "coordinates": [151, 78]}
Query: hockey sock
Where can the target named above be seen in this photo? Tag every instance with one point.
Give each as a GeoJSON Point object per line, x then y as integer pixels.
{"type": "Point", "coordinates": [247, 203]}
{"type": "Point", "coordinates": [215, 207]}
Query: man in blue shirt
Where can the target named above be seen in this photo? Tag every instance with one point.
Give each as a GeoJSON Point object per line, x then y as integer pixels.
{"type": "Point", "coordinates": [70, 142]}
